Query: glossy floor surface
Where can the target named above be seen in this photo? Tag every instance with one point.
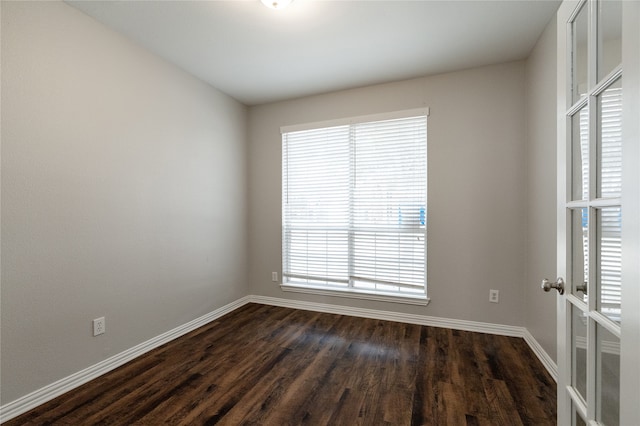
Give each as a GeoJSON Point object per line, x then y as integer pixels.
{"type": "Point", "coordinates": [265, 365]}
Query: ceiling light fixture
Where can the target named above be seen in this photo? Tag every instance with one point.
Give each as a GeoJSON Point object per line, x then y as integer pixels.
{"type": "Point", "coordinates": [276, 4]}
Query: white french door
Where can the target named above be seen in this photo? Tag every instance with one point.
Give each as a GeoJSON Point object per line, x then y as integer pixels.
{"type": "Point", "coordinates": [598, 213]}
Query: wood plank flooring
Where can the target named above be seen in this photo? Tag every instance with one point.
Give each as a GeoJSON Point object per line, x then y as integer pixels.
{"type": "Point", "coordinates": [265, 365]}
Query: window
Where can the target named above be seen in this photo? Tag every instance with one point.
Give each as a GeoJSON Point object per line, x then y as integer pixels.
{"type": "Point", "coordinates": [354, 210]}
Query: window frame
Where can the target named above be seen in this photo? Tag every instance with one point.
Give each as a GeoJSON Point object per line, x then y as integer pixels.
{"type": "Point", "coordinates": [351, 292]}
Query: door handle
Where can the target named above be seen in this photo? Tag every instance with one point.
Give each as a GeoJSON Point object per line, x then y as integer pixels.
{"type": "Point", "coordinates": [582, 287]}
{"type": "Point", "coordinates": [558, 285]}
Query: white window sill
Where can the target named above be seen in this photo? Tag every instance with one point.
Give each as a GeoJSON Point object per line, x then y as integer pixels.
{"type": "Point", "coordinates": [356, 294]}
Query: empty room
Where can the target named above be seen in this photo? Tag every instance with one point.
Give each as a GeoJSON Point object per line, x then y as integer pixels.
{"type": "Point", "coordinates": [320, 212]}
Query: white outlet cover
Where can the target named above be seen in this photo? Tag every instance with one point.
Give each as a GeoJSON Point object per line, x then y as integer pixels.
{"type": "Point", "coordinates": [99, 326]}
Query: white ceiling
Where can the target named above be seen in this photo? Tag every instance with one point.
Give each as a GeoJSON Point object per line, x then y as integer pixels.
{"type": "Point", "coordinates": [260, 55]}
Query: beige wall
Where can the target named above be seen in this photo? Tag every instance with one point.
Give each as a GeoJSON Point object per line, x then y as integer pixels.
{"type": "Point", "coordinates": [123, 195]}
{"type": "Point", "coordinates": [126, 187]}
{"type": "Point", "coordinates": [540, 307]}
{"type": "Point", "coordinates": [476, 194]}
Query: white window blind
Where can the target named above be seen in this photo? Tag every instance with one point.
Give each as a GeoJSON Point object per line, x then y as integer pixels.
{"type": "Point", "coordinates": [354, 206]}
{"type": "Point", "coordinates": [609, 224]}
{"type": "Point", "coordinates": [610, 185]}
{"type": "Point", "coordinates": [610, 219]}
{"type": "Point", "coordinates": [610, 261]}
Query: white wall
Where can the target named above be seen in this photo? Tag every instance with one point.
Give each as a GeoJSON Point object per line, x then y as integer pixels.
{"type": "Point", "coordinates": [540, 307]}
{"type": "Point", "coordinates": [476, 194]}
{"type": "Point", "coordinates": [123, 195]}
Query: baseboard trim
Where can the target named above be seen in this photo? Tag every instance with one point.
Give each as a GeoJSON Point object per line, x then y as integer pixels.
{"type": "Point", "coordinates": [543, 356]}
{"type": "Point", "coordinates": [455, 324]}
{"type": "Point", "coordinates": [49, 392]}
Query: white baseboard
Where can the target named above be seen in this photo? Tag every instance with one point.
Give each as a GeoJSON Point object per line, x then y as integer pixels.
{"type": "Point", "coordinates": [47, 393]}
{"type": "Point", "coordinates": [542, 355]}
{"type": "Point", "coordinates": [455, 324]}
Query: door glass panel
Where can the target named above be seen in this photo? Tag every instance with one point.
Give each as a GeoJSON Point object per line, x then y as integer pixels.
{"type": "Point", "coordinates": [580, 252]}
{"type": "Point", "coordinates": [580, 154]}
{"type": "Point", "coordinates": [610, 141]}
{"type": "Point", "coordinates": [579, 351]}
{"type": "Point", "coordinates": [608, 377]}
{"type": "Point", "coordinates": [579, 29]}
{"type": "Point", "coordinates": [610, 36]}
{"type": "Point", "coordinates": [609, 244]}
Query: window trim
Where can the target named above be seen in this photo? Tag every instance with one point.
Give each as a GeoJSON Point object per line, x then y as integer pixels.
{"type": "Point", "coordinates": [352, 293]}
{"type": "Point", "coordinates": [355, 293]}
{"type": "Point", "coordinates": [355, 120]}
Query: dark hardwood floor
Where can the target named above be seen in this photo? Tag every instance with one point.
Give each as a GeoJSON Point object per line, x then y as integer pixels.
{"type": "Point", "coordinates": [265, 365]}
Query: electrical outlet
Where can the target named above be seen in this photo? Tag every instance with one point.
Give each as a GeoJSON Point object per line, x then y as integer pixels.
{"type": "Point", "coordinates": [274, 277]}
{"type": "Point", "coordinates": [494, 296]}
{"type": "Point", "coordinates": [98, 326]}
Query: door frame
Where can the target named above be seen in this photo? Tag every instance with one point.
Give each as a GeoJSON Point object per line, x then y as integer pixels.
{"type": "Point", "coordinates": [563, 91]}
{"type": "Point", "coordinates": [630, 343]}
{"type": "Point", "coordinates": [630, 326]}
